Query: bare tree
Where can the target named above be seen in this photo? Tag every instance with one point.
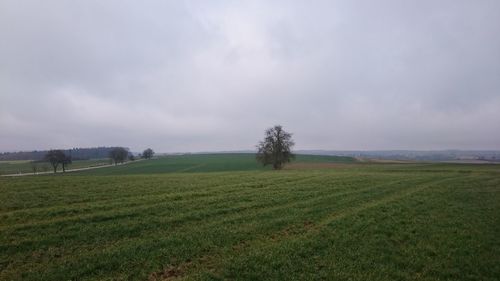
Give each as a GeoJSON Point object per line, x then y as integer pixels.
{"type": "Point", "coordinates": [148, 153]}
{"type": "Point", "coordinates": [118, 155]}
{"type": "Point", "coordinates": [55, 157]}
{"type": "Point", "coordinates": [34, 167]}
{"type": "Point", "coordinates": [276, 147]}
{"type": "Point", "coordinates": [66, 161]}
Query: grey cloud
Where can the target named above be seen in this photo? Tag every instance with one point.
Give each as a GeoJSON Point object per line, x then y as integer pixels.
{"type": "Point", "coordinates": [212, 75]}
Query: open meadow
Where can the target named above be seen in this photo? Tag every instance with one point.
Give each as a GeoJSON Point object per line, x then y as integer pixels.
{"type": "Point", "coordinates": [223, 217]}
{"type": "Point", "coordinates": [26, 166]}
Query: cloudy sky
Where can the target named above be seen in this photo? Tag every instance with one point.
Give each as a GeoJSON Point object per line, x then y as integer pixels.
{"type": "Point", "coordinates": [213, 75]}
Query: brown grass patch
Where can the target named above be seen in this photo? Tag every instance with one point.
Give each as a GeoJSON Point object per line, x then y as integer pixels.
{"type": "Point", "coordinates": [171, 272]}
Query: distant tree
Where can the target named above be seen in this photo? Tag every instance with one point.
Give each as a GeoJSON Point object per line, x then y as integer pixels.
{"type": "Point", "coordinates": [34, 166]}
{"type": "Point", "coordinates": [66, 161]}
{"type": "Point", "coordinates": [148, 153]}
{"type": "Point", "coordinates": [55, 157]}
{"type": "Point", "coordinates": [131, 157]}
{"type": "Point", "coordinates": [118, 155]}
{"type": "Point", "coordinates": [276, 147]}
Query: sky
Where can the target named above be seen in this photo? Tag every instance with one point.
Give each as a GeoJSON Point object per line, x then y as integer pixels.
{"type": "Point", "coordinates": [180, 76]}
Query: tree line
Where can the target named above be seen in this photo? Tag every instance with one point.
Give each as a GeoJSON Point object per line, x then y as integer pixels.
{"type": "Point", "coordinates": [76, 154]}
{"type": "Point", "coordinates": [274, 150]}
{"type": "Point", "coordinates": [117, 155]}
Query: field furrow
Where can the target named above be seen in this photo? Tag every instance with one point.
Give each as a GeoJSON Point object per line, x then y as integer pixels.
{"type": "Point", "coordinates": [246, 224]}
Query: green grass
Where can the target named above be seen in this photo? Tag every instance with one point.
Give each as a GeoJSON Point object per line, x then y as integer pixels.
{"type": "Point", "coordinates": [25, 166]}
{"type": "Point", "coordinates": [357, 222]}
{"type": "Point", "coordinates": [14, 161]}
{"type": "Point", "coordinates": [193, 163]}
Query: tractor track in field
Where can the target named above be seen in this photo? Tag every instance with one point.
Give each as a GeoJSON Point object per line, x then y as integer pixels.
{"type": "Point", "coordinates": [308, 228]}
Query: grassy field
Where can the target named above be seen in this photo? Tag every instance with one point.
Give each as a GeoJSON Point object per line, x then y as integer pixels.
{"type": "Point", "coordinates": [194, 163]}
{"type": "Point", "coordinates": [16, 167]}
{"type": "Point", "coordinates": [169, 164]}
{"type": "Point", "coordinates": [347, 222]}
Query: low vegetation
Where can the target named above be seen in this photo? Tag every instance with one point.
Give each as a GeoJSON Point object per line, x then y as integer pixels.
{"type": "Point", "coordinates": [350, 222]}
{"type": "Point", "coordinates": [25, 166]}
{"type": "Point", "coordinates": [193, 163]}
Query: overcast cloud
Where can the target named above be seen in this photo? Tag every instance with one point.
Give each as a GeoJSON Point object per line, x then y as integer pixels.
{"type": "Point", "coordinates": [213, 75]}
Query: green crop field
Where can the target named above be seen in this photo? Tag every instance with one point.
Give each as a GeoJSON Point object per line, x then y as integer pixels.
{"type": "Point", "coordinates": [16, 167]}
{"type": "Point", "coordinates": [205, 163]}
{"type": "Point", "coordinates": [167, 220]}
